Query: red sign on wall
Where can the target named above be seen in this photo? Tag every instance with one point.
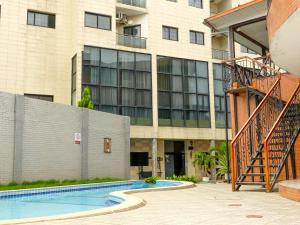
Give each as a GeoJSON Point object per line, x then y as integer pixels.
{"type": "Point", "coordinates": [77, 138]}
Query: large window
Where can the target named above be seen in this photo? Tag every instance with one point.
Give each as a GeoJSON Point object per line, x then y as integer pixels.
{"type": "Point", "coordinates": [97, 21]}
{"type": "Point", "coordinates": [73, 80]}
{"type": "Point", "coordinates": [48, 98]}
{"type": "Point", "coordinates": [183, 92]}
{"type": "Point", "coordinates": [246, 50]}
{"type": "Point", "coordinates": [220, 98]}
{"type": "Point", "coordinates": [170, 33]}
{"type": "Point", "coordinates": [40, 19]}
{"type": "Point", "coordinates": [196, 3]}
{"type": "Point", "coordinates": [120, 82]}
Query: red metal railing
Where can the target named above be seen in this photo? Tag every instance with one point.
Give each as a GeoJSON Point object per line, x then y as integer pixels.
{"type": "Point", "coordinates": [280, 139]}
{"type": "Point", "coordinates": [250, 138]}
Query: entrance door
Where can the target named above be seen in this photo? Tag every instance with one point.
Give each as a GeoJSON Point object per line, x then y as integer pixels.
{"type": "Point", "coordinates": [174, 158]}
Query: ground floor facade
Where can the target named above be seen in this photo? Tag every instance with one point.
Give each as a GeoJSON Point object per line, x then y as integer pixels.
{"type": "Point", "coordinates": [173, 156]}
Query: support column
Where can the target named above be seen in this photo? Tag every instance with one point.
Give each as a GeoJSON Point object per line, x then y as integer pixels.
{"type": "Point", "coordinates": [231, 42]}
{"type": "Point", "coordinates": [226, 136]}
{"type": "Point", "coordinates": [213, 172]}
{"type": "Point", "coordinates": [154, 157]}
{"type": "Point", "coordinates": [19, 130]}
{"type": "Point", "coordinates": [85, 144]}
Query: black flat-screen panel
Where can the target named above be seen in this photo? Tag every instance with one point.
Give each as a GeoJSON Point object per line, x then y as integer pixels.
{"type": "Point", "coordinates": [139, 159]}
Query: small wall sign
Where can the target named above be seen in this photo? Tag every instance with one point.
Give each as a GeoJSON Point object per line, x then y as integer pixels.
{"type": "Point", "coordinates": [107, 145]}
{"type": "Point", "coordinates": [77, 138]}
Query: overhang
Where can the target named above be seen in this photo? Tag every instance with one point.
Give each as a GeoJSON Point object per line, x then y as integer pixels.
{"type": "Point", "coordinates": [248, 21]}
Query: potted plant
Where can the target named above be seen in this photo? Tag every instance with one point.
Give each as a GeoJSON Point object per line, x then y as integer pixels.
{"type": "Point", "coordinates": [206, 162]}
{"type": "Point", "coordinates": [236, 85]}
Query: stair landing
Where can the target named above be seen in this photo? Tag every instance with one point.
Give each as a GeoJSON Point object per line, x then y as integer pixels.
{"type": "Point", "coordinates": [290, 189]}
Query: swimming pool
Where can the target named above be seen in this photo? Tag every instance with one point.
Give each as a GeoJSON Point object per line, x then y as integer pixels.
{"type": "Point", "coordinates": [52, 201]}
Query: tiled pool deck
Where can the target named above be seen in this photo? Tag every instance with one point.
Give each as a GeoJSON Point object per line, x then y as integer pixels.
{"type": "Point", "coordinates": [209, 204]}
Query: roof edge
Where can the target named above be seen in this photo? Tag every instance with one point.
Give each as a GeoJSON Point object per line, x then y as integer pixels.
{"type": "Point", "coordinates": [229, 11]}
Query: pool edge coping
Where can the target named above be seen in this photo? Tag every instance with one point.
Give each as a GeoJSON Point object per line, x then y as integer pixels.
{"type": "Point", "coordinates": [130, 202]}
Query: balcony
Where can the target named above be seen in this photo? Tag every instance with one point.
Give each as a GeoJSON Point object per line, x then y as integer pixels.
{"type": "Point", "coordinates": [131, 41]}
{"type": "Point", "coordinates": [132, 7]}
{"type": "Point", "coordinates": [136, 3]}
{"type": "Point", "coordinates": [220, 54]}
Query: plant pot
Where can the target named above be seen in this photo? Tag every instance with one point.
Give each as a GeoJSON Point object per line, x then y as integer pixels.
{"type": "Point", "coordinates": [226, 176]}
{"type": "Point", "coordinates": [254, 83]}
{"type": "Point", "coordinates": [235, 84]}
{"type": "Point", "coordinates": [205, 179]}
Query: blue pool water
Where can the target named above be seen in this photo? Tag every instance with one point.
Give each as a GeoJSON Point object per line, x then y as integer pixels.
{"type": "Point", "coordinates": [63, 200]}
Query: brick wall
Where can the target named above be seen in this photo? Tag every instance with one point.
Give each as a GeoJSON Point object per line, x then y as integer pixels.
{"type": "Point", "coordinates": [7, 103]}
{"type": "Point", "coordinates": [44, 141]}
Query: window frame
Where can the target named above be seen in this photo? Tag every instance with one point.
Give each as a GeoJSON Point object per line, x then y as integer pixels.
{"type": "Point", "coordinates": [34, 12]}
{"type": "Point", "coordinates": [132, 27]}
{"type": "Point", "coordinates": [73, 75]}
{"type": "Point", "coordinates": [37, 96]}
{"type": "Point", "coordinates": [219, 98]}
{"type": "Point", "coordinates": [169, 32]}
{"type": "Point", "coordinates": [119, 107]}
{"type": "Point", "coordinates": [98, 15]}
{"type": "Point", "coordinates": [184, 92]}
{"type": "Point", "coordinates": [196, 40]}
{"type": "Point", "coordinates": [192, 4]}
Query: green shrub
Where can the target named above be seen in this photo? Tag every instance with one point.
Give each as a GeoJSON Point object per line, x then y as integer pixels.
{"type": "Point", "coordinates": [192, 179]}
{"type": "Point", "coordinates": [86, 99]}
{"type": "Point", "coordinates": [151, 180]}
{"type": "Point", "coordinates": [51, 183]}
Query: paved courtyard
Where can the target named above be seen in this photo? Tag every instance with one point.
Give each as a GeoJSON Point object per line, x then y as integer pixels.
{"type": "Point", "coordinates": [211, 204]}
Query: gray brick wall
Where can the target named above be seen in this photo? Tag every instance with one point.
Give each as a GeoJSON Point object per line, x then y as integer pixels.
{"type": "Point", "coordinates": [102, 125]}
{"type": "Point", "coordinates": [7, 121]}
{"type": "Point", "coordinates": [47, 145]}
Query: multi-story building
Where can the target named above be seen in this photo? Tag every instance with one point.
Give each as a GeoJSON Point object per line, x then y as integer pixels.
{"type": "Point", "coordinates": [154, 61]}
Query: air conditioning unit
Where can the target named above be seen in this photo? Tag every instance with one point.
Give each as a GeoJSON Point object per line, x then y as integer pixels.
{"type": "Point", "coordinates": [121, 18]}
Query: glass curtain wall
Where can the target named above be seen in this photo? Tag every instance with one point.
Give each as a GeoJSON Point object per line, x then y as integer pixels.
{"type": "Point", "coordinates": [183, 93]}
{"type": "Point", "coordinates": [220, 98]}
{"type": "Point", "coordinates": [120, 82]}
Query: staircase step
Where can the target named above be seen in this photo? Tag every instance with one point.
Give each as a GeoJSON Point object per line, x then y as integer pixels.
{"type": "Point", "coordinates": [259, 166]}
{"type": "Point", "coordinates": [271, 150]}
{"type": "Point", "coordinates": [278, 143]}
{"type": "Point", "coordinates": [256, 174]}
{"type": "Point", "coordinates": [253, 174]}
{"type": "Point", "coordinates": [250, 183]}
{"type": "Point", "coordinates": [272, 157]}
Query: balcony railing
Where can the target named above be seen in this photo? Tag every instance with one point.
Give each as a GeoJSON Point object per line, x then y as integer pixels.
{"type": "Point", "coordinates": [137, 3]}
{"type": "Point", "coordinates": [220, 54]}
{"type": "Point", "coordinates": [131, 41]}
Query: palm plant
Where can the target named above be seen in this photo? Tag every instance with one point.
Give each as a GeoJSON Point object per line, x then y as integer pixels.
{"type": "Point", "coordinates": [220, 153]}
{"type": "Point", "coordinates": [205, 161]}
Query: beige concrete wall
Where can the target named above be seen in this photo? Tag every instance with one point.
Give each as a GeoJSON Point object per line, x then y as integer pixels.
{"type": "Point", "coordinates": [37, 60]}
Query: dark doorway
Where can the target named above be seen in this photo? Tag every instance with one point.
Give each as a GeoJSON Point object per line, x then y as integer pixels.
{"type": "Point", "coordinates": [174, 158]}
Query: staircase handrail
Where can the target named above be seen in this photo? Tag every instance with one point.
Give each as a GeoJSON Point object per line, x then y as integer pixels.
{"type": "Point", "coordinates": [256, 110]}
{"type": "Point", "coordinates": [245, 126]}
{"type": "Point", "coordinates": [270, 134]}
{"type": "Point", "coordinates": [254, 60]}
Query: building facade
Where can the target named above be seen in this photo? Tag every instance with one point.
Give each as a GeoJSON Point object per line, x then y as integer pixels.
{"type": "Point", "coordinates": [154, 61]}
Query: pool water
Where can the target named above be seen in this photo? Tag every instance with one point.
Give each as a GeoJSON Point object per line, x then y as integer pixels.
{"type": "Point", "coordinates": [28, 204]}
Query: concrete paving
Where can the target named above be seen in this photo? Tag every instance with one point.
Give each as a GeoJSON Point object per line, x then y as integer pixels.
{"type": "Point", "coordinates": [209, 204]}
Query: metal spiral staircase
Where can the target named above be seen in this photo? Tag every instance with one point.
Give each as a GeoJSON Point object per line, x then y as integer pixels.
{"type": "Point", "coordinates": [261, 148]}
